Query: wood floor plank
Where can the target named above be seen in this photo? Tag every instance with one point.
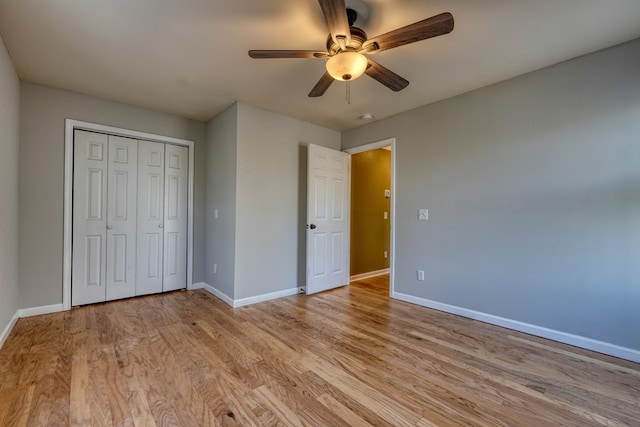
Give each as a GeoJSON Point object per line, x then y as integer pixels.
{"type": "Point", "coordinates": [322, 386]}
{"type": "Point", "coordinates": [358, 358]}
{"type": "Point", "coordinates": [348, 416]}
{"type": "Point", "coordinates": [17, 406]}
{"type": "Point", "coordinates": [487, 362]}
{"type": "Point", "coordinates": [349, 356]}
{"type": "Point", "coordinates": [212, 379]}
{"type": "Point", "coordinates": [283, 413]}
{"type": "Point", "coordinates": [80, 408]}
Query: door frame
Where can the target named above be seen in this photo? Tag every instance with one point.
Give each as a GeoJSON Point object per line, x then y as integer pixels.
{"type": "Point", "coordinates": [373, 146]}
{"type": "Point", "coordinates": [70, 126]}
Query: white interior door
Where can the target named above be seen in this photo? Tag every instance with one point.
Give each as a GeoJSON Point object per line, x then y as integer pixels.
{"type": "Point", "coordinates": [88, 273]}
{"type": "Point", "coordinates": [150, 217]}
{"type": "Point", "coordinates": [327, 219]}
{"type": "Point", "coordinates": [175, 217]}
{"type": "Point", "coordinates": [121, 217]}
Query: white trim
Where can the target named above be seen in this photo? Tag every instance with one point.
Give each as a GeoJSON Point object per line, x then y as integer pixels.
{"type": "Point", "coordinates": [218, 294]}
{"type": "Point", "coordinates": [199, 285]}
{"type": "Point", "coordinates": [390, 142]}
{"type": "Point", "coordinates": [37, 311]}
{"type": "Point", "coordinates": [246, 301]}
{"type": "Point", "coordinates": [264, 297]}
{"type": "Point", "coordinates": [370, 274]}
{"type": "Point", "coordinates": [70, 125]}
{"type": "Point", "coordinates": [563, 337]}
{"type": "Point", "coordinates": [371, 146]}
{"type": "Point", "coordinates": [7, 330]}
{"type": "Point", "coordinates": [190, 202]}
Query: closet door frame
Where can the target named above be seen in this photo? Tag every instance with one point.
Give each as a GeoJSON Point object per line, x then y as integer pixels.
{"type": "Point", "coordinates": [70, 126]}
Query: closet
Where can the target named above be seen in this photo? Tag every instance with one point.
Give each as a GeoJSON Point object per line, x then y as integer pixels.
{"type": "Point", "coordinates": [130, 202]}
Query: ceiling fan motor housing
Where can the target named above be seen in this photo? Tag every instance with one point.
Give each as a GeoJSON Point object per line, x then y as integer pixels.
{"type": "Point", "coordinates": [358, 37]}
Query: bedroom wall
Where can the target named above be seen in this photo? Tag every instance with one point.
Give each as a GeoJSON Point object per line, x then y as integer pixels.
{"type": "Point", "coordinates": [533, 191]}
{"type": "Point", "coordinates": [43, 111]}
{"type": "Point", "coordinates": [9, 147]}
{"type": "Point", "coordinates": [271, 199]}
{"type": "Point", "coordinates": [220, 248]}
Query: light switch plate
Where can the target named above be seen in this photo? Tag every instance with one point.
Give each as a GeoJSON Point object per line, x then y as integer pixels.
{"type": "Point", "coordinates": [423, 214]}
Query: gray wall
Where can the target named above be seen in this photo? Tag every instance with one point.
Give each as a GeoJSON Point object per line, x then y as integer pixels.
{"type": "Point", "coordinates": [533, 191]}
{"type": "Point", "coordinates": [222, 137]}
{"type": "Point", "coordinates": [43, 111]}
{"type": "Point", "coordinates": [256, 179]}
{"type": "Point", "coordinates": [9, 143]}
{"type": "Point", "coordinates": [271, 199]}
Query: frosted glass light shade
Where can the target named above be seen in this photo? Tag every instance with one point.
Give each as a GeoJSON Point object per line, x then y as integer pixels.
{"type": "Point", "coordinates": [347, 65]}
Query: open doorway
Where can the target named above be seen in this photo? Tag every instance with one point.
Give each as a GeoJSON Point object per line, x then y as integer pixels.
{"type": "Point", "coordinates": [372, 211]}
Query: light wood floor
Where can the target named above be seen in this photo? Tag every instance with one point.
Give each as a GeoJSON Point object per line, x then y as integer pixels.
{"type": "Point", "coordinates": [346, 357]}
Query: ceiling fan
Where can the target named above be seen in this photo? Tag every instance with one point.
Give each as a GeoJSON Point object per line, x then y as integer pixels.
{"type": "Point", "coordinates": [347, 46]}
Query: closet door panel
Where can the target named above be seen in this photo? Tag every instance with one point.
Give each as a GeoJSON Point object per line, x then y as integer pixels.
{"type": "Point", "coordinates": [150, 217]}
{"type": "Point", "coordinates": [121, 217]}
{"type": "Point", "coordinates": [175, 217]}
{"type": "Point", "coordinates": [89, 218]}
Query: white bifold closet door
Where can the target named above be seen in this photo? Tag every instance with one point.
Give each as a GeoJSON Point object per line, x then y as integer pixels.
{"type": "Point", "coordinates": [162, 217]}
{"type": "Point", "coordinates": [175, 217]}
{"type": "Point", "coordinates": [129, 217]}
{"type": "Point", "coordinates": [122, 187]}
{"type": "Point", "coordinates": [150, 217]}
{"type": "Point", "coordinates": [88, 275]}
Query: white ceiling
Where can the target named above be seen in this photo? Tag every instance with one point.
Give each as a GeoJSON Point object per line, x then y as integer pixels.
{"type": "Point", "coordinates": [189, 57]}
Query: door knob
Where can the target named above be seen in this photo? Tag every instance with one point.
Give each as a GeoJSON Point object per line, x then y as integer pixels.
{"type": "Point", "coordinates": [109, 227]}
{"type": "Point", "coordinates": [312, 226]}
{"type": "Point", "coordinates": [160, 225]}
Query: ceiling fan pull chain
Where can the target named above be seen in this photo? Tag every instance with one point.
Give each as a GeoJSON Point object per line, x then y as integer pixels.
{"type": "Point", "coordinates": [348, 92]}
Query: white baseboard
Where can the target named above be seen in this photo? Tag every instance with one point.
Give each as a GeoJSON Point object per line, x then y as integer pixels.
{"type": "Point", "coordinates": [219, 294]}
{"type": "Point", "coordinates": [245, 301]}
{"type": "Point", "coordinates": [264, 297]}
{"type": "Point", "coordinates": [370, 274]}
{"type": "Point", "coordinates": [36, 311]}
{"type": "Point", "coordinates": [563, 337]}
{"type": "Point", "coordinates": [7, 330]}
{"type": "Point", "coordinates": [28, 312]}
{"type": "Point", "coordinates": [199, 285]}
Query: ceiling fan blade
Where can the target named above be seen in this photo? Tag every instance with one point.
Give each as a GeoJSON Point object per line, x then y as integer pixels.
{"type": "Point", "coordinates": [335, 13]}
{"type": "Point", "coordinates": [321, 87]}
{"type": "Point", "coordinates": [385, 76]}
{"type": "Point", "coordinates": [266, 54]}
{"type": "Point", "coordinates": [421, 30]}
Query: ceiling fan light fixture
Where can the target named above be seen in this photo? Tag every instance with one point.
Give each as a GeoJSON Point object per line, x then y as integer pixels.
{"type": "Point", "coordinates": [347, 66]}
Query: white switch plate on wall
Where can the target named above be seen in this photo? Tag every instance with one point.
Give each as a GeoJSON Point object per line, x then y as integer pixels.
{"type": "Point", "coordinates": [423, 214]}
